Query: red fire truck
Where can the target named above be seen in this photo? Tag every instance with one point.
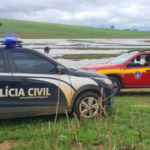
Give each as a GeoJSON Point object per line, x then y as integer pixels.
{"type": "Point", "coordinates": [129, 70]}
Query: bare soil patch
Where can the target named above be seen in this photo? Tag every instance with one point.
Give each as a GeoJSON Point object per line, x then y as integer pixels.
{"type": "Point", "coordinates": [135, 90]}
{"type": "Point", "coordinates": [114, 35]}
{"type": "Point", "coordinates": [31, 34]}
{"type": "Point", "coordinates": [140, 105]}
{"type": "Point", "coordinates": [99, 147]}
{"type": "Point", "coordinates": [7, 145]}
{"type": "Point", "coordinates": [85, 56]}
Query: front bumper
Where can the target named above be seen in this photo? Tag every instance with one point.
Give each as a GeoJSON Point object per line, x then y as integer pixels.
{"type": "Point", "coordinates": [108, 88]}
{"type": "Point", "coordinates": [109, 93]}
{"type": "Point", "coordinates": [110, 102]}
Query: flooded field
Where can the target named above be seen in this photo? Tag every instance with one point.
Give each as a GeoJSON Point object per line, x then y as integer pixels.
{"type": "Point", "coordinates": [87, 43]}
{"type": "Point", "coordinates": [55, 52]}
{"type": "Point", "coordinates": [60, 47]}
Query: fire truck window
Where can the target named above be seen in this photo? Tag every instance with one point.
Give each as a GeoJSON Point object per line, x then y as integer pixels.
{"type": "Point", "coordinates": [141, 60]}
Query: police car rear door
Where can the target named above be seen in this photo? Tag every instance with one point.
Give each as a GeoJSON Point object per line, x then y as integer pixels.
{"type": "Point", "coordinates": [7, 87]}
{"type": "Point", "coordinates": [37, 81]}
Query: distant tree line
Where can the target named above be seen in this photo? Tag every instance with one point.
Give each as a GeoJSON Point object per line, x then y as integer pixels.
{"type": "Point", "coordinates": [134, 29]}
{"type": "Point", "coordinates": [113, 27]}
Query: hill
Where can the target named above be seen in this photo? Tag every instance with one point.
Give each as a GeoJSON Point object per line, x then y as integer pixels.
{"type": "Point", "coordinates": [30, 29]}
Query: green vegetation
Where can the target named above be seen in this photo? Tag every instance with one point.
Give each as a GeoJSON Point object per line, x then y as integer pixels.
{"type": "Point", "coordinates": [29, 29]}
{"type": "Point", "coordinates": [86, 56]}
{"type": "Point", "coordinates": [133, 127]}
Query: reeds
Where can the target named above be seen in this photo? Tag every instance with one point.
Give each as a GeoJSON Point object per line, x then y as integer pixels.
{"type": "Point", "coordinates": [117, 130]}
{"type": "Point", "coordinates": [77, 121]}
{"type": "Point", "coordinates": [68, 127]}
{"type": "Point", "coordinates": [45, 137]}
{"type": "Point", "coordinates": [97, 128]}
{"type": "Point", "coordinates": [53, 143]}
{"type": "Point", "coordinates": [107, 120]}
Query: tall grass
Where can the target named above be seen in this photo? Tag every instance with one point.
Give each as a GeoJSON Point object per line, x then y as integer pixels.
{"type": "Point", "coordinates": [27, 131]}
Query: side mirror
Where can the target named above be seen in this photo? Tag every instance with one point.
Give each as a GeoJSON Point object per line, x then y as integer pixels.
{"type": "Point", "coordinates": [61, 69]}
{"type": "Point", "coordinates": [130, 64]}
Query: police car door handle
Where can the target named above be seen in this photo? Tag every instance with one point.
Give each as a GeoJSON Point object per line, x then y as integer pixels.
{"type": "Point", "coordinates": [24, 81]}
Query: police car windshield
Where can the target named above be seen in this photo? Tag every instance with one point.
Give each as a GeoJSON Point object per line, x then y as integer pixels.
{"type": "Point", "coordinates": [121, 59]}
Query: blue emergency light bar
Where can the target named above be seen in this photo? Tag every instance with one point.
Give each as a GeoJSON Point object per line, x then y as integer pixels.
{"type": "Point", "coordinates": [11, 42]}
{"type": "Point", "coordinates": [9, 38]}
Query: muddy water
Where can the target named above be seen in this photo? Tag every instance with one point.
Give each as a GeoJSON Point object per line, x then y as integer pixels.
{"type": "Point", "coordinates": [69, 46]}
{"type": "Point", "coordinates": [86, 43]}
{"type": "Point", "coordinates": [72, 46]}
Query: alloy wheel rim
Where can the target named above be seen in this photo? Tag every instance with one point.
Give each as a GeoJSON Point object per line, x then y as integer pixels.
{"type": "Point", "coordinates": [89, 107]}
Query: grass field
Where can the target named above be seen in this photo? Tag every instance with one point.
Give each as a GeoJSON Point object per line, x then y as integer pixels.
{"type": "Point", "coordinates": [133, 127]}
{"type": "Point", "coordinates": [29, 29]}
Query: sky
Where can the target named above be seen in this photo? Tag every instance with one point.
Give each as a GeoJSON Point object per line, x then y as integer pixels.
{"type": "Point", "coordinates": [126, 14]}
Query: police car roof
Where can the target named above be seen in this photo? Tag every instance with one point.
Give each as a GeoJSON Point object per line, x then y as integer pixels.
{"type": "Point", "coordinates": [16, 48]}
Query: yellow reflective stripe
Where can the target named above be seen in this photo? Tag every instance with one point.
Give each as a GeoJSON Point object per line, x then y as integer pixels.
{"type": "Point", "coordinates": [127, 71]}
{"type": "Point", "coordinates": [110, 71]}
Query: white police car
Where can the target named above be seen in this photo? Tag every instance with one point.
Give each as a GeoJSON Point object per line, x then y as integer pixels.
{"type": "Point", "coordinates": [30, 81]}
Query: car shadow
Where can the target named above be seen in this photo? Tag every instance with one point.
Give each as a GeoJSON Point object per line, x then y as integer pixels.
{"type": "Point", "coordinates": [38, 119]}
{"type": "Point", "coordinates": [134, 93]}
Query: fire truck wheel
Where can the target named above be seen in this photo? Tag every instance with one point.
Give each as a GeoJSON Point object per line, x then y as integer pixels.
{"type": "Point", "coordinates": [116, 84]}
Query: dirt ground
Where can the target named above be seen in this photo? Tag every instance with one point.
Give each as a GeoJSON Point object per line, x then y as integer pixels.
{"type": "Point", "coordinates": [135, 90]}
{"type": "Point", "coordinates": [7, 145]}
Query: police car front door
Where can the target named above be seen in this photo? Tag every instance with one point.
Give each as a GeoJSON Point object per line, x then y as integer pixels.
{"type": "Point", "coordinates": [37, 81]}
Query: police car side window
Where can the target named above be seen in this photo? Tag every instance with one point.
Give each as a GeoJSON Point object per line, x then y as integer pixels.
{"type": "Point", "coordinates": [2, 64]}
{"type": "Point", "coordinates": [26, 62]}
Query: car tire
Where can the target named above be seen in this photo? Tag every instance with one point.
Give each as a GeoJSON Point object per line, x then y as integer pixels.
{"type": "Point", "coordinates": [88, 103]}
{"type": "Point", "coordinates": [116, 84]}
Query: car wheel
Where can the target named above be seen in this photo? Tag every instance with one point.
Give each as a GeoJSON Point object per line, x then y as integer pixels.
{"type": "Point", "coordinates": [87, 105]}
{"type": "Point", "coordinates": [116, 84]}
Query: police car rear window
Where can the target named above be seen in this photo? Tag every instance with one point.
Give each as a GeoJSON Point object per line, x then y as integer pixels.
{"type": "Point", "coordinates": [2, 65]}
{"type": "Point", "coordinates": [30, 63]}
